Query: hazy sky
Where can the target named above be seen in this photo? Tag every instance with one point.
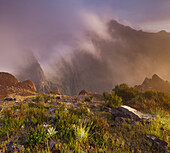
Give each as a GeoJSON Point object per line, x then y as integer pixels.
{"type": "Point", "coordinates": [147, 14]}
{"type": "Point", "coordinates": [53, 27]}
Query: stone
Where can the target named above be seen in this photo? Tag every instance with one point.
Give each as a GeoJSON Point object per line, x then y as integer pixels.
{"type": "Point", "coordinates": [11, 147]}
{"type": "Point", "coordinates": [107, 109]}
{"type": "Point", "coordinates": [52, 143]}
{"type": "Point", "coordinates": [128, 112]}
{"type": "Point", "coordinates": [158, 142]}
{"type": "Point", "coordinates": [1, 125]}
{"type": "Point", "coordinates": [52, 109]}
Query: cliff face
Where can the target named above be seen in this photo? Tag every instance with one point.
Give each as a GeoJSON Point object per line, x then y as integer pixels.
{"type": "Point", "coordinates": [127, 58]}
{"type": "Point", "coordinates": [33, 71]}
{"type": "Point", "coordinates": [155, 83]}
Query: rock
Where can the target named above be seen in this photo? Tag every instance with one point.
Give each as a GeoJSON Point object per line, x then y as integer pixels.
{"type": "Point", "coordinates": [11, 147]}
{"type": "Point", "coordinates": [52, 143]}
{"type": "Point", "coordinates": [9, 99]}
{"type": "Point", "coordinates": [121, 119]}
{"type": "Point", "coordinates": [58, 97]}
{"type": "Point", "coordinates": [52, 109]}
{"type": "Point", "coordinates": [128, 112]}
{"type": "Point", "coordinates": [158, 142]}
{"type": "Point", "coordinates": [0, 125]}
{"type": "Point", "coordinates": [56, 92]}
{"type": "Point", "coordinates": [107, 109]}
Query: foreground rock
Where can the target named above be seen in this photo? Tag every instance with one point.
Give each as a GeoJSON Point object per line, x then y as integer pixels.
{"type": "Point", "coordinates": [128, 112]}
{"type": "Point", "coordinates": [158, 143]}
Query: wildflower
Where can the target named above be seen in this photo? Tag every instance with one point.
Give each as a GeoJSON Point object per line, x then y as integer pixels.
{"type": "Point", "coordinates": [51, 131]}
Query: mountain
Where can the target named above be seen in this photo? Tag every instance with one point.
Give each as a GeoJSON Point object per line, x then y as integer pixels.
{"type": "Point", "coordinates": [10, 85]}
{"type": "Point", "coordinates": [32, 71]}
{"type": "Point", "coordinates": [155, 83]}
{"type": "Point", "coordinates": [128, 57]}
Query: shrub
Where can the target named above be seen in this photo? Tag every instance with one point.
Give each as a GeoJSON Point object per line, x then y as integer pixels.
{"type": "Point", "coordinates": [37, 135]}
{"type": "Point", "coordinates": [99, 128]}
{"type": "Point", "coordinates": [125, 92]}
{"type": "Point", "coordinates": [112, 100]}
{"type": "Point", "coordinates": [38, 98]}
{"type": "Point", "coordinates": [89, 99]}
{"type": "Point", "coordinates": [82, 131]}
{"type": "Point", "coordinates": [64, 121]}
{"type": "Point", "coordinates": [149, 94]}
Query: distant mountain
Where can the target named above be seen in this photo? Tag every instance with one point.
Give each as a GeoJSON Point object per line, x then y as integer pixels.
{"type": "Point", "coordinates": [33, 71]}
{"type": "Point", "coordinates": [127, 58]}
{"type": "Point", "coordinates": [10, 85]}
{"type": "Point", "coordinates": [155, 83]}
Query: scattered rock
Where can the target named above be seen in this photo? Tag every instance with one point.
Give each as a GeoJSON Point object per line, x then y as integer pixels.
{"type": "Point", "coordinates": [128, 112]}
{"type": "Point", "coordinates": [52, 143]}
{"type": "Point", "coordinates": [11, 147]}
{"type": "Point", "coordinates": [107, 109]}
{"type": "Point", "coordinates": [158, 142]}
{"type": "Point", "coordinates": [56, 92]}
{"type": "Point", "coordinates": [58, 97]}
{"type": "Point", "coordinates": [10, 99]}
{"type": "Point", "coordinates": [52, 109]}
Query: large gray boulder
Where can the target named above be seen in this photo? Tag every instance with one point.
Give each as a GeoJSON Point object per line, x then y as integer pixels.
{"type": "Point", "coordinates": [128, 112]}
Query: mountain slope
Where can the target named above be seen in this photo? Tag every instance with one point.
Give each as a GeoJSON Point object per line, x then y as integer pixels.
{"type": "Point", "coordinates": [33, 71]}
{"type": "Point", "coordinates": [128, 57]}
{"type": "Point", "coordinates": [155, 83]}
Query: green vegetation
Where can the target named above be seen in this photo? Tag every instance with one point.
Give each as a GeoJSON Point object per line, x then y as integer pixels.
{"type": "Point", "coordinates": [112, 100]}
{"type": "Point", "coordinates": [126, 92]}
{"type": "Point", "coordinates": [79, 127]}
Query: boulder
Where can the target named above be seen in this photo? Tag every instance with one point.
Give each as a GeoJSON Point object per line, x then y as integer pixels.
{"type": "Point", "coordinates": [160, 144]}
{"type": "Point", "coordinates": [128, 112]}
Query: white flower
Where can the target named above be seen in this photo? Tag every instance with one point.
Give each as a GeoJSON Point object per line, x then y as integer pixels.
{"type": "Point", "coordinates": [51, 131]}
{"type": "Point", "coordinates": [46, 125]}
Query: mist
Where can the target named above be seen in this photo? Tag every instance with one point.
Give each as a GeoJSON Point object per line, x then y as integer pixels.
{"type": "Point", "coordinates": [74, 44]}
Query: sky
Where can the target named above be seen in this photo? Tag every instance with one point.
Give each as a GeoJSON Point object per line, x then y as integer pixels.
{"type": "Point", "coordinates": [51, 28]}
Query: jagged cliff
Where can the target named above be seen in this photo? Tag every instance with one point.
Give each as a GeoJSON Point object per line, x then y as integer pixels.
{"type": "Point", "coordinates": [155, 83]}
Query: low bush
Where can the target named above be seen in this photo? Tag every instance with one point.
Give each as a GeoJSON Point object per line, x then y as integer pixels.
{"type": "Point", "coordinates": [112, 100]}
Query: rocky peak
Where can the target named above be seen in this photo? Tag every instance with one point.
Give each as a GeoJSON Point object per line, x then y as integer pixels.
{"type": "Point", "coordinates": [33, 71]}
{"type": "Point", "coordinates": [155, 83]}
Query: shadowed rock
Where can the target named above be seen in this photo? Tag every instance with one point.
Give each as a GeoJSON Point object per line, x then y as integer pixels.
{"type": "Point", "coordinates": [128, 112]}
{"type": "Point", "coordinates": [158, 142]}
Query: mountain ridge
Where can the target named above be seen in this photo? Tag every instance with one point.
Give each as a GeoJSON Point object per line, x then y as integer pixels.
{"type": "Point", "coordinates": [154, 83]}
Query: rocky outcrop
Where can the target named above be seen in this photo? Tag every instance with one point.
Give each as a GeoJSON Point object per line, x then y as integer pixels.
{"type": "Point", "coordinates": [56, 92]}
{"type": "Point", "coordinates": [155, 83]}
{"type": "Point", "coordinates": [10, 85]}
{"type": "Point", "coordinates": [88, 93]}
{"type": "Point", "coordinates": [7, 79]}
{"type": "Point", "coordinates": [28, 85]}
{"type": "Point", "coordinates": [128, 112]}
{"type": "Point", "coordinates": [85, 92]}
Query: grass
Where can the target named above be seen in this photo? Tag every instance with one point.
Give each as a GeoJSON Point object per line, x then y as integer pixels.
{"type": "Point", "coordinates": [80, 128]}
